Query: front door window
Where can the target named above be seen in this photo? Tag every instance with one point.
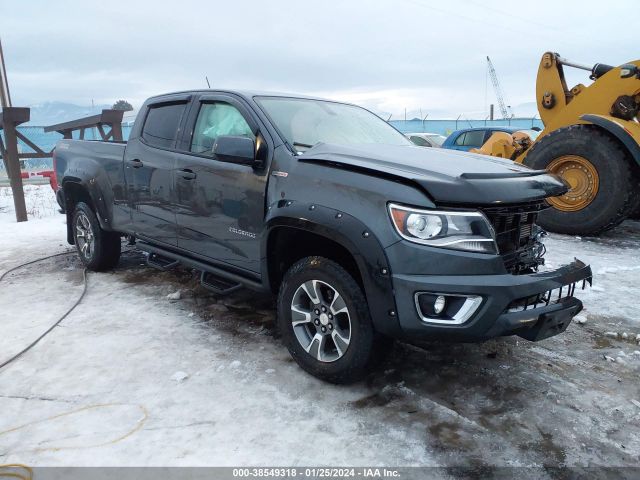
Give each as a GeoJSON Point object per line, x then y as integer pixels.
{"type": "Point", "coordinates": [214, 120]}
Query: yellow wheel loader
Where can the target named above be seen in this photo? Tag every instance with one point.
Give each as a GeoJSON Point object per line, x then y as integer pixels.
{"type": "Point", "coordinates": [591, 139]}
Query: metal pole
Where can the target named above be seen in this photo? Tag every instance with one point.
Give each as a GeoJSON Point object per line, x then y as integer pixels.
{"type": "Point", "coordinates": [570, 63]}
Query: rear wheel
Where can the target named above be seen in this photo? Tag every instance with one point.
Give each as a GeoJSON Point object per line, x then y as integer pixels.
{"type": "Point", "coordinates": [98, 249]}
{"type": "Point", "coordinates": [598, 172]}
{"type": "Point", "coordinates": [324, 321]}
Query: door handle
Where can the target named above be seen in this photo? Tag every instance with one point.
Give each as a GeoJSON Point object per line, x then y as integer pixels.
{"type": "Point", "coordinates": [135, 163]}
{"type": "Point", "coordinates": [187, 174]}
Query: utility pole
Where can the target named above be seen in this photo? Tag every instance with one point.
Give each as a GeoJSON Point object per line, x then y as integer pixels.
{"type": "Point", "coordinates": [8, 122]}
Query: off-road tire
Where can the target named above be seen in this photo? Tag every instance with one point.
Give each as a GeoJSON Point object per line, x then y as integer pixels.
{"type": "Point", "coordinates": [635, 209]}
{"type": "Point", "coordinates": [105, 251]}
{"type": "Point", "coordinates": [617, 182]}
{"type": "Point", "coordinates": [365, 346]}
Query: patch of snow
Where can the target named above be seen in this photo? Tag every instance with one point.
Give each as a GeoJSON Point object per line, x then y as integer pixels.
{"type": "Point", "coordinates": [580, 319]}
{"type": "Point", "coordinates": [179, 376]}
{"type": "Point", "coordinates": [175, 295]}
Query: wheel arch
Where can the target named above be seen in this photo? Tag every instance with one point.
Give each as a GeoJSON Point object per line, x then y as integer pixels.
{"type": "Point", "coordinates": [301, 232]}
{"type": "Point", "coordinates": [74, 190]}
{"type": "Point", "coordinates": [625, 137]}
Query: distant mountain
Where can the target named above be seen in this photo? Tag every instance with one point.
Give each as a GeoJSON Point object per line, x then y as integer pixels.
{"type": "Point", "coordinates": [50, 113]}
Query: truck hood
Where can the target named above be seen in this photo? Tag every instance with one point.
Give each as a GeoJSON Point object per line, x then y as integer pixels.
{"type": "Point", "coordinates": [447, 176]}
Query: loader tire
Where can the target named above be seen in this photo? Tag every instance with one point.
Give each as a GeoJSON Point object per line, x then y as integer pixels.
{"type": "Point", "coordinates": [635, 209]}
{"type": "Point", "coordinates": [600, 173]}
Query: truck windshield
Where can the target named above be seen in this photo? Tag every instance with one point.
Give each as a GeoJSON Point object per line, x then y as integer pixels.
{"type": "Point", "coordinates": [306, 122]}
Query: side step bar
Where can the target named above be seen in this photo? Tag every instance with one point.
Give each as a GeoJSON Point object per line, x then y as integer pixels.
{"type": "Point", "coordinates": [218, 285]}
{"type": "Point", "coordinates": [161, 263]}
{"type": "Point", "coordinates": [212, 278]}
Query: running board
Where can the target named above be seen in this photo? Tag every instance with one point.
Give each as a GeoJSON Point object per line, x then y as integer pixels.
{"type": "Point", "coordinates": [214, 278]}
{"type": "Point", "coordinates": [156, 260]}
{"type": "Point", "coordinates": [218, 285]}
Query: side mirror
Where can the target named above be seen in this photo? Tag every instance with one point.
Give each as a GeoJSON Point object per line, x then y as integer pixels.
{"type": "Point", "coordinates": [237, 149]}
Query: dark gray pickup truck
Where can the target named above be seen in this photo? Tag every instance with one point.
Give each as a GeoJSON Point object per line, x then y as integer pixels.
{"type": "Point", "coordinates": [361, 235]}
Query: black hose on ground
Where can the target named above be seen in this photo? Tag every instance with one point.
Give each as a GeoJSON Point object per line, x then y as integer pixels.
{"type": "Point", "coordinates": [77, 302]}
{"type": "Point", "coordinates": [34, 261]}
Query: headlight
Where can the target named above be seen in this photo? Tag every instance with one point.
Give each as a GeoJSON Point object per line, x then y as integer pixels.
{"type": "Point", "coordinates": [470, 231]}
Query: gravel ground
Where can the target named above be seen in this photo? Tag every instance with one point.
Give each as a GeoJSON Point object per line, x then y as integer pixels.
{"type": "Point", "coordinates": [141, 375]}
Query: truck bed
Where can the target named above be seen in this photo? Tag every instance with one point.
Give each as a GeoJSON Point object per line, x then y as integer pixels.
{"type": "Point", "coordinates": [101, 165]}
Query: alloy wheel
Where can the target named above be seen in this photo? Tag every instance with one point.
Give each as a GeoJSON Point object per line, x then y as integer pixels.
{"type": "Point", "coordinates": [85, 238]}
{"type": "Point", "coordinates": [321, 320]}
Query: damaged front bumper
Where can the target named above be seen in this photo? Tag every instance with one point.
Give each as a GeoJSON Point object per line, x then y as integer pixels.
{"type": "Point", "coordinates": [533, 306]}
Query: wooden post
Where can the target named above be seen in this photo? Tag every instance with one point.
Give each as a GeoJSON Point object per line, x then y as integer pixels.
{"type": "Point", "coordinates": [10, 118]}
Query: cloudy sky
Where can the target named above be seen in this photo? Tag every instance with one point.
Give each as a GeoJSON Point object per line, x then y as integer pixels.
{"type": "Point", "coordinates": [388, 55]}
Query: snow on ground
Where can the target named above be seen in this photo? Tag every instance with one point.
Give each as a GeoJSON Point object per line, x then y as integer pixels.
{"type": "Point", "coordinates": [138, 375]}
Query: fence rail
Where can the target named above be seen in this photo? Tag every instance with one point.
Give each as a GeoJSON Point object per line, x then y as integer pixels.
{"type": "Point", "coordinates": [446, 127]}
{"type": "Point", "coordinates": [47, 140]}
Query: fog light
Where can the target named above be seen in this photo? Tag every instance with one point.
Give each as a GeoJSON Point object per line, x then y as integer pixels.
{"type": "Point", "coordinates": [439, 304]}
{"type": "Point", "coordinates": [446, 308]}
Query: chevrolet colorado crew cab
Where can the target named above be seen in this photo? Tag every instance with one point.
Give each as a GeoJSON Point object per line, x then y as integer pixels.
{"type": "Point", "coordinates": [360, 234]}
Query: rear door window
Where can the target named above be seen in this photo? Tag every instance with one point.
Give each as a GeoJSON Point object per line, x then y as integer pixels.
{"type": "Point", "coordinates": [472, 138]}
{"type": "Point", "coordinates": [162, 124]}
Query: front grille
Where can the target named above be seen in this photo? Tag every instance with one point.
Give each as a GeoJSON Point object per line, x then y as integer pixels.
{"type": "Point", "coordinates": [514, 226]}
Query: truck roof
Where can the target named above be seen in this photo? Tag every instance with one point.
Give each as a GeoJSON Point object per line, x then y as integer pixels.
{"type": "Point", "coordinates": [247, 94]}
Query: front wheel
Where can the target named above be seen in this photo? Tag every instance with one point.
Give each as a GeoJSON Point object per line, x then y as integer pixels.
{"type": "Point", "coordinates": [324, 321]}
{"type": "Point", "coordinates": [98, 249]}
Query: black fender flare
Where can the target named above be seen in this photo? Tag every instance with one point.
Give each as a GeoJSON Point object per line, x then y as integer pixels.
{"type": "Point", "coordinates": [99, 201]}
{"type": "Point", "coordinates": [618, 131]}
{"type": "Point", "coordinates": [356, 238]}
